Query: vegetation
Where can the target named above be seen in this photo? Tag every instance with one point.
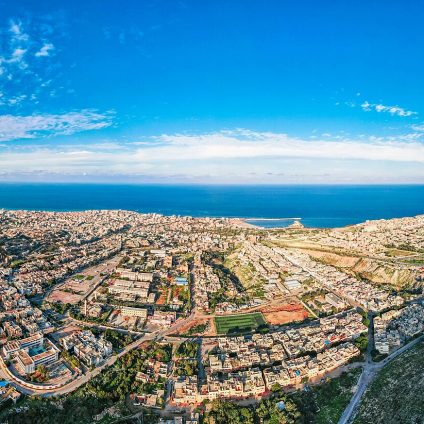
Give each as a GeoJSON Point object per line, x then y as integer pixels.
{"type": "Point", "coordinates": [186, 367]}
{"type": "Point", "coordinates": [16, 264]}
{"type": "Point", "coordinates": [71, 359]}
{"type": "Point", "coordinates": [119, 340]}
{"type": "Point", "coordinates": [322, 404]}
{"type": "Point", "coordinates": [76, 313]}
{"type": "Point", "coordinates": [60, 307]}
{"type": "Point", "coordinates": [40, 375]}
{"type": "Point", "coordinates": [362, 342]}
{"type": "Point", "coordinates": [187, 350]}
{"type": "Point", "coordinates": [396, 395]}
{"type": "Point", "coordinates": [108, 389]}
{"type": "Point", "coordinates": [239, 323]}
{"type": "Point", "coordinates": [227, 279]}
{"type": "Point", "coordinates": [405, 248]}
{"type": "Point", "coordinates": [313, 294]}
{"type": "Point", "coordinates": [197, 329]}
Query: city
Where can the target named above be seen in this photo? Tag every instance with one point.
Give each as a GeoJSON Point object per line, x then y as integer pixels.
{"type": "Point", "coordinates": [204, 309]}
{"type": "Point", "coordinates": [211, 212]}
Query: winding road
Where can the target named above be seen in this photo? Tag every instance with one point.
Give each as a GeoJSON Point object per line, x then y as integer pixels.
{"type": "Point", "coordinates": [31, 389]}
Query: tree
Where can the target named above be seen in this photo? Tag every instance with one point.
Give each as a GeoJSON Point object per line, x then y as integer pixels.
{"type": "Point", "coordinates": [276, 387]}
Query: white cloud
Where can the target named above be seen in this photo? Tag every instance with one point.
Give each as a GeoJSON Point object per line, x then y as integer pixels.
{"type": "Point", "coordinates": [393, 110]}
{"type": "Point", "coordinates": [419, 127]}
{"type": "Point", "coordinates": [17, 33]}
{"type": "Point", "coordinates": [22, 76]}
{"type": "Point", "coordinates": [231, 155]}
{"type": "Point", "coordinates": [32, 126]}
{"type": "Point", "coordinates": [249, 144]}
{"type": "Point", "coordinates": [45, 50]}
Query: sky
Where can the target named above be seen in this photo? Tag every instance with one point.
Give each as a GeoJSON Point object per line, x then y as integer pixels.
{"type": "Point", "coordinates": [212, 91]}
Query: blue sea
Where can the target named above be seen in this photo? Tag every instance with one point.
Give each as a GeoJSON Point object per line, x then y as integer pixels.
{"type": "Point", "coordinates": [317, 206]}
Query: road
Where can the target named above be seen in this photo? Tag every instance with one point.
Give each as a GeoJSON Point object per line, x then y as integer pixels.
{"type": "Point", "coordinates": [102, 268]}
{"type": "Point", "coordinates": [73, 321]}
{"type": "Point", "coordinates": [79, 381]}
{"type": "Point", "coordinates": [371, 369]}
{"type": "Point", "coordinates": [320, 279]}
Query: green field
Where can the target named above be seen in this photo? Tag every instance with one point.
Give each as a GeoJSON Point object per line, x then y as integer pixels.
{"type": "Point", "coordinates": [238, 323]}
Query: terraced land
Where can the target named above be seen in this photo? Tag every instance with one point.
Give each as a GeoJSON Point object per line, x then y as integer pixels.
{"type": "Point", "coordinates": [397, 394]}
{"type": "Point", "coordinates": [238, 323]}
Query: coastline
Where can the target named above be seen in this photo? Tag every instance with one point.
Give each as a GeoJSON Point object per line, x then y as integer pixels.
{"type": "Point", "coordinates": [271, 219]}
{"type": "Point", "coordinates": [254, 206]}
{"type": "Point", "coordinates": [255, 223]}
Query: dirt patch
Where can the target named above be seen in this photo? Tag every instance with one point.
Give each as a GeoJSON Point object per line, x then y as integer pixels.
{"type": "Point", "coordinates": [64, 297]}
{"type": "Point", "coordinates": [163, 294]}
{"type": "Point", "coordinates": [285, 313]}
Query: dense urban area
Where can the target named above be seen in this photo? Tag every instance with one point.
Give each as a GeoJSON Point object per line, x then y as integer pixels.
{"type": "Point", "coordinates": [117, 316]}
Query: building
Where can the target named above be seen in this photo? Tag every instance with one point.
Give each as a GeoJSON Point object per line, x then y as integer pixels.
{"type": "Point", "coordinates": [136, 288]}
{"type": "Point", "coordinates": [134, 312]}
{"type": "Point", "coordinates": [292, 285]}
{"type": "Point", "coordinates": [135, 276]}
{"type": "Point", "coordinates": [159, 253]}
{"type": "Point", "coordinates": [28, 358]}
{"type": "Point", "coordinates": [33, 341]}
{"type": "Point", "coordinates": [87, 347]}
{"type": "Point", "coordinates": [334, 300]}
{"type": "Point", "coordinates": [181, 281]}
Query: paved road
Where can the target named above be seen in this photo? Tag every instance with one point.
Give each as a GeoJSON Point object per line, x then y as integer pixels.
{"type": "Point", "coordinates": [73, 321]}
{"type": "Point", "coordinates": [79, 381]}
{"type": "Point", "coordinates": [371, 369]}
{"type": "Point", "coordinates": [319, 278]}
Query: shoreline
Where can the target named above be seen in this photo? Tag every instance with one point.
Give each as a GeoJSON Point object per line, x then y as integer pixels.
{"type": "Point", "coordinates": [241, 222]}
{"type": "Point", "coordinates": [271, 219]}
{"type": "Point", "coordinates": [246, 223]}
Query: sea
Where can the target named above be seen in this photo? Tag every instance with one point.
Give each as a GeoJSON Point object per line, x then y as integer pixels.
{"type": "Point", "coordinates": [321, 206]}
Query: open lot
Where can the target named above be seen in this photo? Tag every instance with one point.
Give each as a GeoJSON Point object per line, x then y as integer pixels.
{"type": "Point", "coordinates": [64, 297]}
{"type": "Point", "coordinates": [238, 323]}
{"type": "Point", "coordinates": [77, 287]}
{"type": "Point", "coordinates": [285, 313]}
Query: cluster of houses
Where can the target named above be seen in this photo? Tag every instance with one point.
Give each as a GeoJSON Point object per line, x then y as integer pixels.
{"type": "Point", "coordinates": [375, 236]}
{"type": "Point", "coordinates": [356, 292]}
{"type": "Point", "coordinates": [86, 346]}
{"type": "Point", "coordinates": [264, 349]}
{"type": "Point", "coordinates": [194, 418]}
{"type": "Point", "coordinates": [255, 381]}
{"type": "Point", "coordinates": [294, 371]}
{"type": "Point", "coordinates": [17, 316]}
{"type": "Point", "coordinates": [393, 328]}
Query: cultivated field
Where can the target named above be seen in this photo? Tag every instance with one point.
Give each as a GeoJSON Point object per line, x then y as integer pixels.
{"type": "Point", "coordinates": [238, 323]}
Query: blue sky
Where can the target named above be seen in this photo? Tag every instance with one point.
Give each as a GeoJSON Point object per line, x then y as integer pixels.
{"type": "Point", "coordinates": [212, 91]}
